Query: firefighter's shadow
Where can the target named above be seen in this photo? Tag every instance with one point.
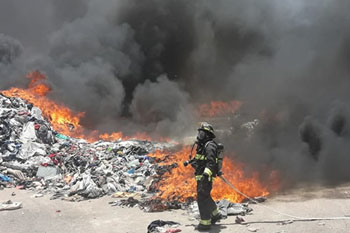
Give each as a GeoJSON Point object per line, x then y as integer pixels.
{"type": "Point", "coordinates": [217, 228]}
{"type": "Point", "coordinates": [214, 228]}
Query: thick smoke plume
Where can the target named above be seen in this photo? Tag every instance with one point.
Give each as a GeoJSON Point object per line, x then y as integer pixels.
{"type": "Point", "coordinates": [146, 65]}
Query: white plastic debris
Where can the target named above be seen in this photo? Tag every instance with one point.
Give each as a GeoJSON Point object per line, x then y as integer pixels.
{"type": "Point", "coordinates": [252, 229]}
{"type": "Point", "coordinates": [9, 205]}
{"type": "Point", "coordinates": [37, 195]}
{"type": "Point", "coordinates": [36, 112]}
{"type": "Point", "coordinates": [46, 172]}
{"type": "Point", "coordinates": [28, 133]}
{"type": "Point", "coordinates": [29, 149]}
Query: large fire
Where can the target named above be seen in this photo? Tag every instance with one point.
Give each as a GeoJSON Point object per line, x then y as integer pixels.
{"type": "Point", "coordinates": [62, 119]}
{"type": "Point", "coordinates": [179, 184]}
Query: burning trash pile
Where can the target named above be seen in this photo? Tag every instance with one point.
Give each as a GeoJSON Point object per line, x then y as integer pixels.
{"type": "Point", "coordinates": [40, 150]}
{"type": "Point", "coordinates": [34, 156]}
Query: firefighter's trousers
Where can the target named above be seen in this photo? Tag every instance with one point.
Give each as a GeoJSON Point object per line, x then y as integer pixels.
{"type": "Point", "coordinates": [206, 203]}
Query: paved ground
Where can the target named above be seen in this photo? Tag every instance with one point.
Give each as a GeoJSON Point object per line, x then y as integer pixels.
{"type": "Point", "coordinates": [43, 215]}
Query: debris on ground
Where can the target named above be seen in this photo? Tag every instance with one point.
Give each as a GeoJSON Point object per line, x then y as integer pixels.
{"type": "Point", "coordinates": [252, 229]}
{"type": "Point", "coordinates": [35, 157]}
{"type": "Point", "coordinates": [254, 200]}
{"type": "Point", "coordinates": [37, 195]}
{"type": "Point", "coordinates": [9, 205]}
{"type": "Point", "coordinates": [229, 208]}
{"type": "Point", "coordinates": [5, 178]}
{"type": "Point", "coordinates": [239, 220]}
{"type": "Point", "coordinates": [226, 208]}
{"type": "Point", "coordinates": [286, 222]}
{"type": "Point", "coordinates": [160, 226]}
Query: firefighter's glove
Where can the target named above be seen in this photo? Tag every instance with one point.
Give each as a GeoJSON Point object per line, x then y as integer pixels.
{"type": "Point", "coordinates": [194, 164]}
{"type": "Point", "coordinates": [207, 174]}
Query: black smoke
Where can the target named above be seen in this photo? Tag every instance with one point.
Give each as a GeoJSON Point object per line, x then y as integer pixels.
{"type": "Point", "coordinates": [147, 65]}
{"type": "Point", "coordinates": [10, 49]}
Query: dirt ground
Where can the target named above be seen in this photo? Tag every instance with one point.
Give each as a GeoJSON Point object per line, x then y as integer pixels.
{"type": "Point", "coordinates": [56, 216]}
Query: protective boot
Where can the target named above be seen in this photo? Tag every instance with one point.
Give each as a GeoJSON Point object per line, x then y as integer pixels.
{"type": "Point", "coordinates": [216, 218]}
{"type": "Point", "coordinates": [204, 225]}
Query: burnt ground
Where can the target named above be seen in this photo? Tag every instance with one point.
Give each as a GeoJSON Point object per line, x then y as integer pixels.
{"type": "Point", "coordinates": [56, 216]}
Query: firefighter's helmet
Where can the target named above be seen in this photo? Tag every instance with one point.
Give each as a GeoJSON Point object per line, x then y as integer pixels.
{"type": "Point", "coordinates": [207, 127]}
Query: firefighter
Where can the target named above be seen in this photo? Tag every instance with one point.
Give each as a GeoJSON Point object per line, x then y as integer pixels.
{"type": "Point", "coordinates": [206, 168]}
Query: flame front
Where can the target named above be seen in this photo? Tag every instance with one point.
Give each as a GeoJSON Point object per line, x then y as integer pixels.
{"type": "Point", "coordinates": [62, 119]}
{"type": "Point", "coordinates": [219, 108]}
{"type": "Point", "coordinates": [119, 135]}
{"type": "Point", "coordinates": [40, 89]}
{"type": "Point", "coordinates": [179, 183]}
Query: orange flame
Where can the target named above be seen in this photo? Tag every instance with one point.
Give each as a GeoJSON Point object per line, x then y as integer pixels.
{"type": "Point", "coordinates": [179, 183]}
{"type": "Point", "coordinates": [35, 84]}
{"type": "Point", "coordinates": [61, 117]}
{"type": "Point", "coordinates": [35, 78]}
{"type": "Point", "coordinates": [219, 108]}
{"type": "Point", "coordinates": [112, 136]}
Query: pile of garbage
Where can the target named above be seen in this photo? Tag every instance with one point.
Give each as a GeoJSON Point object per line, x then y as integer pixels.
{"type": "Point", "coordinates": [34, 156]}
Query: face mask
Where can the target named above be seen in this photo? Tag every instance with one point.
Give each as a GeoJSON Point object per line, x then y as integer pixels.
{"type": "Point", "coordinates": [201, 135]}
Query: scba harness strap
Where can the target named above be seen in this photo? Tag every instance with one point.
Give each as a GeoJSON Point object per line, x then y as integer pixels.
{"type": "Point", "coordinates": [202, 157]}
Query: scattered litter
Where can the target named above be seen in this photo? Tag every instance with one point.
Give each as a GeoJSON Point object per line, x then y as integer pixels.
{"type": "Point", "coordinates": [9, 205]}
{"type": "Point", "coordinates": [239, 220]}
{"type": "Point", "coordinates": [226, 208]}
{"type": "Point", "coordinates": [286, 222]}
{"type": "Point", "coordinates": [193, 210]}
{"type": "Point", "coordinates": [160, 226]}
{"type": "Point", "coordinates": [171, 230]}
{"type": "Point", "coordinates": [5, 178]}
{"type": "Point", "coordinates": [321, 223]}
{"type": "Point", "coordinates": [256, 200]}
{"type": "Point", "coordinates": [16, 173]}
{"type": "Point", "coordinates": [125, 195]}
{"type": "Point", "coordinates": [37, 195]}
{"type": "Point", "coordinates": [130, 202]}
{"type": "Point", "coordinates": [252, 229]}
{"type": "Point", "coordinates": [61, 136]}
{"type": "Point", "coordinates": [229, 208]}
